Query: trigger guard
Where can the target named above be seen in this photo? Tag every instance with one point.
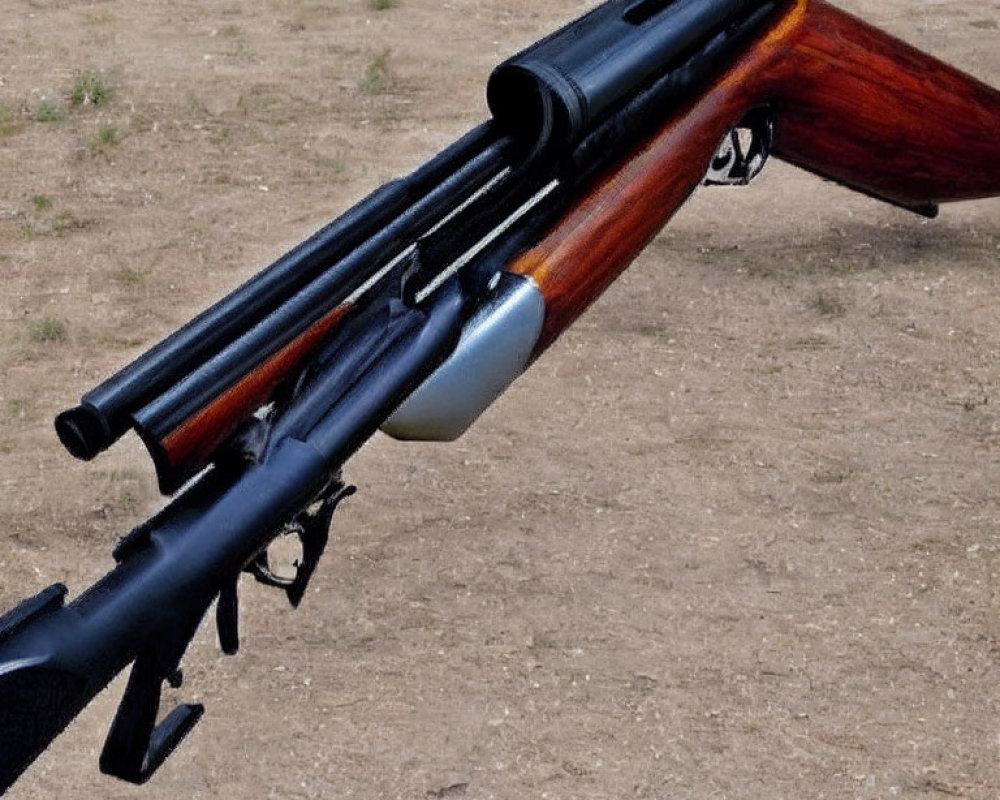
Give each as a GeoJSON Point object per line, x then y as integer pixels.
{"type": "Point", "coordinates": [260, 566]}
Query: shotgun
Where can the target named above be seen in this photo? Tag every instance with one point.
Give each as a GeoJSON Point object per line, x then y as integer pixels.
{"type": "Point", "coordinates": [418, 307]}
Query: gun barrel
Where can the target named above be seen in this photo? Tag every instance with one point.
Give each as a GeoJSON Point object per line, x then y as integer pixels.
{"type": "Point", "coordinates": [171, 411]}
{"type": "Point", "coordinates": [54, 658]}
{"type": "Point", "coordinates": [434, 293]}
{"type": "Point", "coordinates": [563, 85]}
{"type": "Point", "coordinates": [104, 413]}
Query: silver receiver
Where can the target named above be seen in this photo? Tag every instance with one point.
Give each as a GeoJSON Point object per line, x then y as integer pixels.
{"type": "Point", "coordinates": [494, 349]}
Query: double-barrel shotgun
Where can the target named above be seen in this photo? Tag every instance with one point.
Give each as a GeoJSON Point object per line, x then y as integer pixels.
{"type": "Point", "coordinates": [416, 308]}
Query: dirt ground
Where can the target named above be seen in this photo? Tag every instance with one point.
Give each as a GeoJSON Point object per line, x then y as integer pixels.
{"type": "Point", "coordinates": [737, 535]}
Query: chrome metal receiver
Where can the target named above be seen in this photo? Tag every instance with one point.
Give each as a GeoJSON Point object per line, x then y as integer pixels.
{"type": "Point", "coordinates": [495, 347]}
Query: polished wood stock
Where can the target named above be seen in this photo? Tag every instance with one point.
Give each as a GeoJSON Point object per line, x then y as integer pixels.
{"type": "Point", "coordinates": [851, 103]}
{"type": "Point", "coordinates": [189, 447]}
{"type": "Point", "coordinates": [865, 109]}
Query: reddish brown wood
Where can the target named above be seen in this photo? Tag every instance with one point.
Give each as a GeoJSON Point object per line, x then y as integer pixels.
{"type": "Point", "coordinates": [852, 104]}
{"type": "Point", "coordinates": [868, 110]}
{"type": "Point", "coordinates": [601, 235]}
{"type": "Point", "coordinates": [188, 447]}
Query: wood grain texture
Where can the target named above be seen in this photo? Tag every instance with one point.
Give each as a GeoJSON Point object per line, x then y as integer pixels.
{"type": "Point", "coordinates": [602, 233]}
{"type": "Point", "coordinates": [852, 104]}
{"type": "Point", "coordinates": [868, 110]}
{"type": "Point", "coordinates": [188, 448]}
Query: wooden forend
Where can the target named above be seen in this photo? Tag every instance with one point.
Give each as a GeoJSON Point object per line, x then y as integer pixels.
{"type": "Point", "coordinates": [187, 448]}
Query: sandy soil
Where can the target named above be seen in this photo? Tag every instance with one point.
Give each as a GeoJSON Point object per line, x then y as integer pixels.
{"type": "Point", "coordinates": [736, 536]}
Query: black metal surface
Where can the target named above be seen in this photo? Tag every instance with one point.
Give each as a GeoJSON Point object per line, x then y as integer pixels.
{"type": "Point", "coordinates": [211, 378]}
{"type": "Point", "coordinates": [562, 86]}
{"type": "Point", "coordinates": [172, 568]}
{"type": "Point", "coordinates": [104, 412]}
{"type": "Point", "coordinates": [597, 84]}
{"type": "Point", "coordinates": [149, 606]}
{"type": "Point", "coordinates": [639, 114]}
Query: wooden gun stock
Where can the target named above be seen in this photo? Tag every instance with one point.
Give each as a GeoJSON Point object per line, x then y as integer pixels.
{"type": "Point", "coordinates": [867, 110]}
{"type": "Point", "coordinates": [850, 103]}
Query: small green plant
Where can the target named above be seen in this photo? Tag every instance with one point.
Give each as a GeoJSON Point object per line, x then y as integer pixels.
{"type": "Point", "coordinates": [236, 38]}
{"type": "Point", "coordinates": [48, 330]}
{"type": "Point", "coordinates": [67, 221]}
{"type": "Point", "coordinates": [17, 408]}
{"type": "Point", "coordinates": [48, 111]}
{"type": "Point", "coordinates": [103, 18]}
{"type": "Point", "coordinates": [376, 78]}
{"type": "Point", "coordinates": [128, 502]}
{"type": "Point", "coordinates": [382, 5]}
{"type": "Point", "coordinates": [106, 135]}
{"type": "Point", "coordinates": [90, 89]}
{"type": "Point", "coordinates": [828, 306]}
{"type": "Point", "coordinates": [42, 202]}
{"type": "Point", "coordinates": [8, 124]}
{"type": "Point", "coordinates": [130, 276]}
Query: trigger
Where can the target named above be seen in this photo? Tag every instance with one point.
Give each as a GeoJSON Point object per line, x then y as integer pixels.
{"type": "Point", "coordinates": [313, 530]}
{"type": "Point", "coordinates": [314, 534]}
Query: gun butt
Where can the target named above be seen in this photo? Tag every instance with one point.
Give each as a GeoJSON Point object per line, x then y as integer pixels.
{"type": "Point", "coordinates": [867, 110]}
{"type": "Point", "coordinates": [846, 101]}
